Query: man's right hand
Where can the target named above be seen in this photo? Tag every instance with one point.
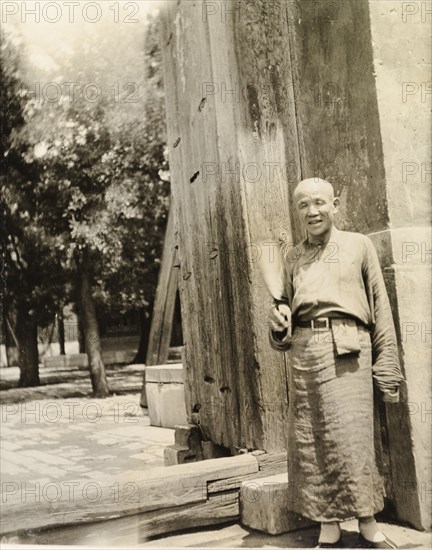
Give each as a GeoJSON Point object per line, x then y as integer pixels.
{"type": "Point", "coordinates": [280, 318]}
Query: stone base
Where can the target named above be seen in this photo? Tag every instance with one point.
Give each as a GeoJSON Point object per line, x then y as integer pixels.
{"type": "Point", "coordinates": [176, 454]}
{"type": "Point", "coordinates": [165, 395]}
{"type": "Point", "coordinates": [263, 506]}
{"type": "Point", "coordinates": [189, 447]}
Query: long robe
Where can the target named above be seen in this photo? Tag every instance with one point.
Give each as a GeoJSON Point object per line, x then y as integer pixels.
{"type": "Point", "coordinates": [332, 467]}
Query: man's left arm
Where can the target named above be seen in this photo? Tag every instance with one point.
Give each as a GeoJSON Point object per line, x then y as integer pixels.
{"type": "Point", "coordinates": [386, 369]}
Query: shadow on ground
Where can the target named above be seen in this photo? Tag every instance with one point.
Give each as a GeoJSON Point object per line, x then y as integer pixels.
{"type": "Point", "coordinates": [66, 382]}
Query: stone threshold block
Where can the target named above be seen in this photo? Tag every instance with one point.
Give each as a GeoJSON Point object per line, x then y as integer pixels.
{"type": "Point", "coordinates": [263, 506]}
{"type": "Point", "coordinates": [165, 395]}
{"type": "Point", "coordinates": [190, 447]}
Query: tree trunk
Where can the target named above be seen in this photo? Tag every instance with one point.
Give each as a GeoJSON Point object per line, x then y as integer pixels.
{"type": "Point", "coordinates": [91, 334]}
{"type": "Point", "coordinates": [61, 331]}
{"type": "Point", "coordinates": [6, 339]}
{"type": "Point", "coordinates": [11, 343]}
{"type": "Point", "coordinates": [28, 357]}
{"type": "Point", "coordinates": [81, 338]}
{"type": "Point", "coordinates": [145, 324]}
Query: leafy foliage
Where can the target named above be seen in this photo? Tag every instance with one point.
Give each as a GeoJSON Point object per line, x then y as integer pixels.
{"type": "Point", "coordinates": [103, 169]}
{"type": "Point", "coordinates": [34, 274]}
{"type": "Point", "coordinates": [85, 172]}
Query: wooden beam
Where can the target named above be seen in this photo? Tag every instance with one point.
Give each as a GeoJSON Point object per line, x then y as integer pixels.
{"type": "Point", "coordinates": [217, 509]}
{"type": "Point", "coordinates": [84, 501]}
{"type": "Point", "coordinates": [268, 464]}
{"type": "Point", "coordinates": [163, 311]}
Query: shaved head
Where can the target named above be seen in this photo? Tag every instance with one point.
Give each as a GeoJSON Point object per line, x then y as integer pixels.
{"type": "Point", "coordinates": [316, 205]}
{"type": "Point", "coordinates": [314, 185]}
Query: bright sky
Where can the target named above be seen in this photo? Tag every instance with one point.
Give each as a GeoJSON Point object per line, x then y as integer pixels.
{"type": "Point", "coordinates": [48, 25]}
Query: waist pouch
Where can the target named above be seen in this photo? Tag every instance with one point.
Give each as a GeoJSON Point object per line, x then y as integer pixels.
{"type": "Point", "coordinates": [345, 336]}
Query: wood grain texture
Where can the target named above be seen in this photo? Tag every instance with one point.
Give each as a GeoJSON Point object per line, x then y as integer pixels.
{"type": "Point", "coordinates": [229, 192]}
{"type": "Point", "coordinates": [218, 509]}
{"type": "Point", "coordinates": [337, 109]}
{"type": "Point", "coordinates": [290, 97]}
{"type": "Point", "coordinates": [84, 501]}
{"type": "Point", "coordinates": [269, 464]}
{"type": "Point", "coordinates": [163, 311]}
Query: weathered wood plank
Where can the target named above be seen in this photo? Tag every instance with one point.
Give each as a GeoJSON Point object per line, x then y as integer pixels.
{"type": "Point", "coordinates": [337, 110]}
{"type": "Point", "coordinates": [270, 461]}
{"type": "Point", "coordinates": [201, 218]}
{"type": "Point", "coordinates": [269, 464]}
{"type": "Point", "coordinates": [236, 385]}
{"type": "Point", "coordinates": [163, 311]}
{"type": "Point", "coordinates": [174, 79]}
{"type": "Point", "coordinates": [83, 501]}
{"type": "Point", "coordinates": [218, 509]}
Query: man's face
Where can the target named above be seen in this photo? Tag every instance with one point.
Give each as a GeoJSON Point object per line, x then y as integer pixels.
{"type": "Point", "coordinates": [316, 208]}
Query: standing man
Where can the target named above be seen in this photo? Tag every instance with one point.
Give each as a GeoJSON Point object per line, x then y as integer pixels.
{"type": "Point", "coordinates": [336, 323]}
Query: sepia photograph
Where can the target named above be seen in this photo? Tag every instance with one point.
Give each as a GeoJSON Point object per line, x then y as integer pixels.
{"type": "Point", "coordinates": [216, 248]}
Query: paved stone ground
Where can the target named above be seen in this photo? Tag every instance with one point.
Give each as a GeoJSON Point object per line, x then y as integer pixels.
{"type": "Point", "coordinates": [57, 433]}
{"type": "Point", "coordinates": [53, 440]}
{"type": "Point", "coordinates": [68, 382]}
{"type": "Point", "coordinates": [238, 536]}
{"type": "Point", "coordinates": [126, 533]}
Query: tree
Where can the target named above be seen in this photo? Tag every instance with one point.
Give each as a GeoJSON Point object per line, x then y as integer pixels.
{"type": "Point", "coordinates": [33, 274]}
{"type": "Point", "coordinates": [145, 155]}
{"type": "Point", "coordinates": [102, 191]}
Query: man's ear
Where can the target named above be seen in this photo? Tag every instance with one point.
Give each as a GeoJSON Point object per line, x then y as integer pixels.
{"type": "Point", "coordinates": [336, 204]}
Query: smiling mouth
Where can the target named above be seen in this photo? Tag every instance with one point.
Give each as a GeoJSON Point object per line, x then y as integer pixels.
{"type": "Point", "coordinates": [314, 222]}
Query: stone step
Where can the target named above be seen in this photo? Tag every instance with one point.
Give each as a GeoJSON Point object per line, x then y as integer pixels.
{"type": "Point", "coordinates": [264, 506]}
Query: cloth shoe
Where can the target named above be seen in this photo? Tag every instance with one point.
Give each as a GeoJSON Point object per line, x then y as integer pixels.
{"type": "Point", "coordinates": [371, 537]}
{"type": "Point", "coordinates": [330, 535]}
